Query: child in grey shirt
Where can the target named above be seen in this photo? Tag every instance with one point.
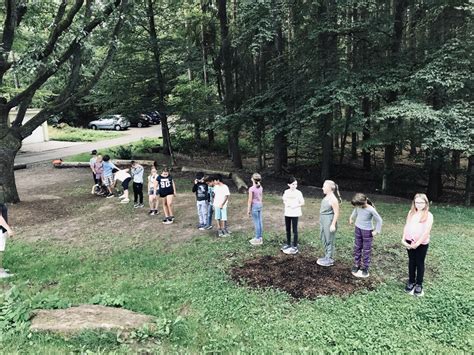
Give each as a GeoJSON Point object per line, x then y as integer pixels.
{"type": "Point", "coordinates": [364, 212]}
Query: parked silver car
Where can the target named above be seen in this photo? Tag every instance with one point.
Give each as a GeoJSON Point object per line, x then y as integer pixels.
{"type": "Point", "coordinates": [116, 122]}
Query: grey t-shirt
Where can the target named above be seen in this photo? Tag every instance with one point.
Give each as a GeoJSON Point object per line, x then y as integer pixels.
{"type": "Point", "coordinates": [364, 218]}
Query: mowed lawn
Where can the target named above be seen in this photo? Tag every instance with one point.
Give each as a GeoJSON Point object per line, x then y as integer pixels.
{"type": "Point", "coordinates": [74, 248]}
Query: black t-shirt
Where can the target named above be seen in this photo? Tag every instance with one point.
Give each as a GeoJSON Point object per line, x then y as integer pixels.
{"type": "Point", "coordinates": [165, 185]}
{"type": "Point", "coordinates": [201, 190]}
{"type": "Point", "coordinates": [4, 211]}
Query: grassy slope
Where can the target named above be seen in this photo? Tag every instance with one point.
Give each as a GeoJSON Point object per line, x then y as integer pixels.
{"type": "Point", "coordinates": [189, 283]}
{"type": "Point", "coordinates": [73, 134]}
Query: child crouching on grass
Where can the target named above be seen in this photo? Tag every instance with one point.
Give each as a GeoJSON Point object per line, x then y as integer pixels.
{"type": "Point", "coordinates": [124, 177]}
{"type": "Point", "coordinates": [5, 231]}
{"type": "Point", "coordinates": [364, 233]}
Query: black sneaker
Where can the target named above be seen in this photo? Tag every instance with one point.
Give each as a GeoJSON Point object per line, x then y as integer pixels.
{"type": "Point", "coordinates": [418, 291]}
{"type": "Point", "coordinates": [171, 218]}
{"type": "Point", "coordinates": [284, 247]}
{"type": "Point", "coordinates": [151, 212]}
{"type": "Point", "coordinates": [354, 270]}
{"type": "Point", "coordinates": [364, 273]}
{"type": "Point", "coordinates": [409, 287]}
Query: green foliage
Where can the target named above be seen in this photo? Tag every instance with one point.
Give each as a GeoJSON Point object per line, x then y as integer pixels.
{"type": "Point", "coordinates": [123, 152]}
{"type": "Point", "coordinates": [104, 299]}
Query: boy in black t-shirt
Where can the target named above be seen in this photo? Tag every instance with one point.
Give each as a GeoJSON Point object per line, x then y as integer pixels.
{"type": "Point", "coordinates": [200, 188]}
{"type": "Point", "coordinates": [5, 231]}
{"type": "Point", "coordinates": [166, 188]}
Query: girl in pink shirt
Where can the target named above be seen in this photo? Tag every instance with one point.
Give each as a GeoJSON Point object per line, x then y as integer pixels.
{"type": "Point", "coordinates": [416, 237]}
{"type": "Point", "coordinates": [254, 208]}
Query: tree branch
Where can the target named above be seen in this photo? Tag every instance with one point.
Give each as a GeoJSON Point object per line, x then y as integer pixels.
{"type": "Point", "coordinates": [65, 98]}
{"type": "Point", "coordinates": [8, 36]}
{"type": "Point", "coordinates": [46, 73]}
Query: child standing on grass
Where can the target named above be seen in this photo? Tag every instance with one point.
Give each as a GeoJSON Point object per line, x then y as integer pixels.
{"type": "Point", "coordinates": [92, 161]}
{"type": "Point", "coordinates": [5, 231]}
{"type": "Point", "coordinates": [99, 172]}
{"type": "Point", "coordinates": [166, 188]}
{"type": "Point", "coordinates": [416, 238]}
{"type": "Point", "coordinates": [200, 188]}
{"type": "Point", "coordinates": [108, 176]}
{"type": "Point", "coordinates": [221, 199]}
{"type": "Point", "coordinates": [364, 233]}
{"type": "Point", "coordinates": [152, 193]}
{"type": "Point", "coordinates": [293, 201]}
{"type": "Point", "coordinates": [328, 215]}
{"type": "Point", "coordinates": [210, 198]}
{"type": "Point", "coordinates": [254, 208]}
{"type": "Point", "coordinates": [124, 177]}
{"type": "Point", "coordinates": [137, 175]}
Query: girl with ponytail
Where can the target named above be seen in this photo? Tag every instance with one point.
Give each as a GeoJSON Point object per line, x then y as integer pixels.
{"type": "Point", "coordinates": [328, 215]}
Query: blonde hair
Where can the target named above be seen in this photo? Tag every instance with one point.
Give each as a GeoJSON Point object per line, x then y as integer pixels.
{"type": "Point", "coordinates": [257, 178]}
{"type": "Point", "coordinates": [425, 210]}
{"type": "Point", "coordinates": [334, 189]}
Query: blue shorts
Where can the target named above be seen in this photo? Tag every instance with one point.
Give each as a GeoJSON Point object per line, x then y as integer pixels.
{"type": "Point", "coordinates": [221, 213]}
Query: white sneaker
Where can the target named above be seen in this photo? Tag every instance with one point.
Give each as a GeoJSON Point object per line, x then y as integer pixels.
{"type": "Point", "coordinates": [255, 241]}
{"type": "Point", "coordinates": [4, 275]}
{"type": "Point", "coordinates": [125, 200]}
{"type": "Point", "coordinates": [121, 196]}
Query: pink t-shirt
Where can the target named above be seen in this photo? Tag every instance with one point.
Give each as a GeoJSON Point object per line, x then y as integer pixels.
{"type": "Point", "coordinates": [414, 229]}
{"type": "Point", "coordinates": [257, 194]}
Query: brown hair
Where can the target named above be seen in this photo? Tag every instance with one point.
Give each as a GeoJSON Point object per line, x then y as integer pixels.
{"type": "Point", "coordinates": [412, 212]}
{"type": "Point", "coordinates": [360, 200]}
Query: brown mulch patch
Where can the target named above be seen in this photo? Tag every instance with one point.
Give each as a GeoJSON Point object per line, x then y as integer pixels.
{"type": "Point", "coordinates": [299, 276]}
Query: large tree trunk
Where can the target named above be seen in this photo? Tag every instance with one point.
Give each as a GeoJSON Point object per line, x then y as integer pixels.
{"type": "Point", "coordinates": [229, 99]}
{"type": "Point", "coordinates": [9, 147]}
{"type": "Point", "coordinates": [167, 147]}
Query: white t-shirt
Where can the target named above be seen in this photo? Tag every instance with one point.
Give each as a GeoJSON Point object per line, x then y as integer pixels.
{"type": "Point", "coordinates": [121, 175]}
{"type": "Point", "coordinates": [293, 199]}
{"type": "Point", "coordinates": [220, 192]}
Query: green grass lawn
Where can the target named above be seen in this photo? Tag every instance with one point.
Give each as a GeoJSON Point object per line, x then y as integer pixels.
{"type": "Point", "coordinates": [138, 150]}
{"type": "Point", "coordinates": [186, 285]}
{"type": "Point", "coordinates": [73, 134]}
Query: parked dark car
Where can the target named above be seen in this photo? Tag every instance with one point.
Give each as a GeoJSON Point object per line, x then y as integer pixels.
{"type": "Point", "coordinates": [140, 120]}
{"type": "Point", "coordinates": [155, 117]}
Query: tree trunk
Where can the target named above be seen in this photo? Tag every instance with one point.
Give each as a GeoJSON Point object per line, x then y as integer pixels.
{"type": "Point", "coordinates": [435, 184]}
{"type": "Point", "coordinates": [280, 152]}
{"type": "Point", "coordinates": [229, 95]}
{"type": "Point", "coordinates": [167, 147]}
{"type": "Point", "coordinates": [366, 108]}
{"type": "Point", "coordinates": [9, 147]}
{"type": "Point", "coordinates": [354, 145]}
{"type": "Point", "coordinates": [469, 181]}
{"type": "Point", "coordinates": [326, 159]}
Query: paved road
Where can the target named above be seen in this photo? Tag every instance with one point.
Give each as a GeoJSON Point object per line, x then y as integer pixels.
{"type": "Point", "coordinates": [38, 152]}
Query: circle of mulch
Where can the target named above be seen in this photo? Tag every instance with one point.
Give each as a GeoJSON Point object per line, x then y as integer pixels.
{"type": "Point", "coordinates": [299, 276]}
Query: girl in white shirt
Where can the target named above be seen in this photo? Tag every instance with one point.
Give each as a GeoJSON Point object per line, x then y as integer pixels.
{"type": "Point", "coordinates": [293, 200]}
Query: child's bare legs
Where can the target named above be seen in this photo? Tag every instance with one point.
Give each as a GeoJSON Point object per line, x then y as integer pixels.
{"type": "Point", "coordinates": [169, 202]}
{"type": "Point", "coordinates": [152, 201]}
{"type": "Point", "coordinates": [166, 210]}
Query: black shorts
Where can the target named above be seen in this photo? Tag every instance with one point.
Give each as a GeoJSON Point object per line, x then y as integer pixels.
{"type": "Point", "coordinates": [166, 194]}
{"type": "Point", "coordinates": [125, 183]}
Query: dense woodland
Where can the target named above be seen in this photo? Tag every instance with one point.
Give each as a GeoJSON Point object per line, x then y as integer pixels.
{"type": "Point", "coordinates": [304, 83]}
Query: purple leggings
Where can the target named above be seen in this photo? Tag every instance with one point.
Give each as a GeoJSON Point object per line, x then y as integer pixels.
{"type": "Point", "coordinates": [362, 246]}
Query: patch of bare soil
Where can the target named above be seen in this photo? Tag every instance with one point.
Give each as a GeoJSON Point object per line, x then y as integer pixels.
{"type": "Point", "coordinates": [299, 276]}
{"type": "Point", "coordinates": [85, 317]}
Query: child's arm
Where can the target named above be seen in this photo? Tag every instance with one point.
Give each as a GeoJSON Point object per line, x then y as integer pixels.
{"type": "Point", "coordinates": [353, 216]}
{"type": "Point", "coordinates": [335, 207]}
{"type": "Point", "coordinates": [155, 186]}
{"type": "Point", "coordinates": [300, 200]}
{"type": "Point", "coordinates": [5, 225]}
{"type": "Point", "coordinates": [249, 202]}
{"type": "Point", "coordinates": [174, 188]}
{"type": "Point", "coordinates": [378, 222]}
{"type": "Point", "coordinates": [195, 186]}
